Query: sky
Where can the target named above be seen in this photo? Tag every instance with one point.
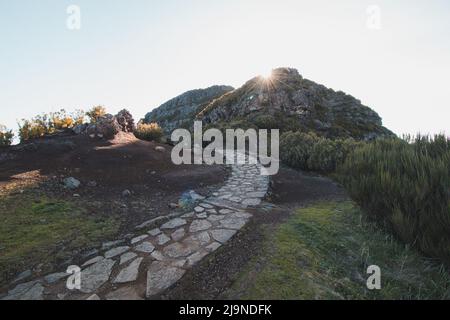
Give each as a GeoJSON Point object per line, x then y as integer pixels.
{"type": "Point", "coordinates": [392, 55]}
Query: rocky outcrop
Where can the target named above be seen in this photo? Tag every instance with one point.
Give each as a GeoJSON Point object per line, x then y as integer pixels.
{"type": "Point", "coordinates": [180, 112]}
{"type": "Point", "coordinates": [289, 102]}
{"type": "Point", "coordinates": [107, 126]}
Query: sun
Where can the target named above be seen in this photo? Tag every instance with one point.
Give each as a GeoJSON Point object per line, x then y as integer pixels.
{"type": "Point", "coordinates": [267, 75]}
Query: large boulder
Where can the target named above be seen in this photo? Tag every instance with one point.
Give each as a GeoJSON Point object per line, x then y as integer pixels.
{"type": "Point", "coordinates": [105, 127]}
{"type": "Point", "coordinates": [125, 121]}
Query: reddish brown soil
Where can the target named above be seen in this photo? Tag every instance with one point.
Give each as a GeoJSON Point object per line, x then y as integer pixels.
{"type": "Point", "coordinates": [124, 163]}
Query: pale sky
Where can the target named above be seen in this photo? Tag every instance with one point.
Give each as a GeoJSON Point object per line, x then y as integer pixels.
{"type": "Point", "coordinates": [136, 54]}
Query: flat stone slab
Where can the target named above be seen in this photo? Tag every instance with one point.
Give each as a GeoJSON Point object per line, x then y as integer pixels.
{"type": "Point", "coordinates": [55, 277]}
{"type": "Point", "coordinates": [145, 247]}
{"type": "Point", "coordinates": [26, 291]}
{"type": "Point", "coordinates": [162, 239]}
{"type": "Point", "coordinates": [178, 250]}
{"type": "Point", "coordinates": [126, 293]}
{"type": "Point", "coordinates": [178, 235]}
{"type": "Point", "coordinates": [154, 232]}
{"type": "Point", "coordinates": [233, 223]}
{"type": "Point", "coordinates": [127, 257]}
{"type": "Point", "coordinates": [96, 275]}
{"type": "Point", "coordinates": [116, 251]}
{"type": "Point", "coordinates": [129, 273]}
{"type": "Point", "coordinates": [174, 223]}
{"type": "Point", "coordinates": [251, 202]}
{"type": "Point", "coordinates": [199, 209]}
{"type": "Point", "coordinates": [222, 235]}
{"type": "Point", "coordinates": [92, 261]}
{"type": "Point", "coordinates": [225, 211]}
{"type": "Point", "coordinates": [199, 225]}
{"type": "Point", "coordinates": [139, 239]}
{"type": "Point", "coordinates": [161, 277]}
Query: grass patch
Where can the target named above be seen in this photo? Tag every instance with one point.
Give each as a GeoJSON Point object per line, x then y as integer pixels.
{"type": "Point", "coordinates": [323, 251]}
{"type": "Point", "coordinates": [35, 230]}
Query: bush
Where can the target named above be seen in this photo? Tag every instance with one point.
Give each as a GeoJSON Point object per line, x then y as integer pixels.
{"type": "Point", "coordinates": [296, 148]}
{"type": "Point", "coordinates": [406, 186]}
{"type": "Point", "coordinates": [45, 124]}
{"type": "Point", "coordinates": [96, 113]}
{"type": "Point", "coordinates": [6, 136]}
{"type": "Point", "coordinates": [149, 132]}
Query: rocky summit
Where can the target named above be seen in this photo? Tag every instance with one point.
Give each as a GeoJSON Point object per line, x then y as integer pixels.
{"type": "Point", "coordinates": [180, 111]}
{"type": "Point", "coordinates": [284, 101]}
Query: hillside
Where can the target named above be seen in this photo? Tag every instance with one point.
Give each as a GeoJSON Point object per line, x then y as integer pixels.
{"type": "Point", "coordinates": [180, 111]}
{"type": "Point", "coordinates": [287, 101]}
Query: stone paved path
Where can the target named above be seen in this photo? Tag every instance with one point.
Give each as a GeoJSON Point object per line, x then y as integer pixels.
{"type": "Point", "coordinates": [163, 249]}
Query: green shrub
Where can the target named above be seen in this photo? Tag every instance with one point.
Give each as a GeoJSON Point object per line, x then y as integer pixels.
{"type": "Point", "coordinates": [296, 148]}
{"type": "Point", "coordinates": [6, 136]}
{"type": "Point", "coordinates": [149, 132]}
{"type": "Point", "coordinates": [406, 186]}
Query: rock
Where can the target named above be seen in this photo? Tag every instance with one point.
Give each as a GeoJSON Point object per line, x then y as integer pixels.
{"type": "Point", "coordinates": [71, 183]}
{"type": "Point", "coordinates": [116, 251]}
{"type": "Point", "coordinates": [162, 239]}
{"type": "Point", "coordinates": [157, 255]}
{"type": "Point", "coordinates": [26, 291]}
{"type": "Point", "coordinates": [145, 247]}
{"type": "Point", "coordinates": [125, 121]}
{"type": "Point", "coordinates": [199, 209]}
{"type": "Point", "coordinates": [94, 297]}
{"type": "Point", "coordinates": [127, 257]}
{"type": "Point", "coordinates": [203, 215]}
{"type": "Point", "coordinates": [206, 206]}
{"type": "Point", "coordinates": [129, 273]}
{"type": "Point", "coordinates": [177, 250]}
{"type": "Point", "coordinates": [160, 277]}
{"type": "Point", "coordinates": [109, 245]}
{"type": "Point", "coordinates": [214, 218]}
{"type": "Point", "coordinates": [222, 235]}
{"type": "Point", "coordinates": [160, 149]}
{"type": "Point", "coordinates": [126, 193]}
{"type": "Point", "coordinates": [188, 215]}
{"type": "Point", "coordinates": [96, 275]}
{"type": "Point", "coordinates": [154, 232]}
{"type": "Point", "coordinates": [199, 225]}
{"type": "Point", "coordinates": [92, 184]}
{"type": "Point", "coordinates": [139, 239]}
{"type": "Point", "coordinates": [183, 108]}
{"type": "Point", "coordinates": [251, 202]}
{"type": "Point", "coordinates": [213, 246]}
{"type": "Point", "coordinates": [173, 206]}
{"type": "Point", "coordinates": [178, 235]}
{"type": "Point", "coordinates": [233, 223]}
{"type": "Point", "coordinates": [225, 211]}
{"type": "Point", "coordinates": [195, 196]}
{"type": "Point", "coordinates": [196, 257]}
{"type": "Point", "coordinates": [123, 294]}
{"type": "Point", "coordinates": [92, 261]}
{"type": "Point", "coordinates": [174, 223]}
{"type": "Point", "coordinates": [197, 240]}
{"type": "Point", "coordinates": [22, 276]}
{"type": "Point", "coordinates": [55, 277]}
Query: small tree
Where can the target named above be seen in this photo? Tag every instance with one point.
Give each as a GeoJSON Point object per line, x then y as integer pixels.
{"type": "Point", "coordinates": [6, 136]}
{"type": "Point", "coordinates": [95, 113]}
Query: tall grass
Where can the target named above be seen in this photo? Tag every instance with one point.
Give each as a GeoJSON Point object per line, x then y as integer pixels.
{"type": "Point", "coordinates": [405, 184]}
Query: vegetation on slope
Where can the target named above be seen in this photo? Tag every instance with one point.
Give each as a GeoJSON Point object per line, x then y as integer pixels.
{"type": "Point", "coordinates": [323, 252]}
